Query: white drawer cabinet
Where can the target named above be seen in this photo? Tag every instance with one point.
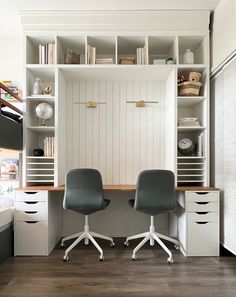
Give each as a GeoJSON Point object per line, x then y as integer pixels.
{"type": "Point", "coordinates": [37, 222]}
{"type": "Point", "coordinates": [198, 223]}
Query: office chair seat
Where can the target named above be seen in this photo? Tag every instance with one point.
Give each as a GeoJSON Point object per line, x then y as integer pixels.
{"type": "Point", "coordinates": [155, 193]}
{"type": "Point", "coordinates": [84, 194]}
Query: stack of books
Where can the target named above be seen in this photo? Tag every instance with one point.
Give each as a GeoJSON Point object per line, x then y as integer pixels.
{"type": "Point", "coordinates": [12, 87]}
{"type": "Point", "coordinates": [48, 146]}
{"type": "Point", "coordinates": [127, 60]}
{"type": "Point", "coordinates": [142, 55]}
{"type": "Point", "coordinates": [104, 61]}
{"type": "Point", "coordinates": [46, 53]}
{"type": "Point", "coordinates": [91, 54]}
{"type": "Point", "coordinates": [189, 122]}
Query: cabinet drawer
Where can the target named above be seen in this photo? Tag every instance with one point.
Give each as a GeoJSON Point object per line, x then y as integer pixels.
{"type": "Point", "coordinates": [31, 196]}
{"type": "Point", "coordinates": [202, 206]}
{"type": "Point", "coordinates": [203, 239]}
{"type": "Point", "coordinates": [31, 206]}
{"type": "Point", "coordinates": [202, 196]}
{"type": "Point", "coordinates": [202, 217]}
{"type": "Point", "coordinates": [30, 239]}
{"type": "Point", "coordinates": [21, 216]}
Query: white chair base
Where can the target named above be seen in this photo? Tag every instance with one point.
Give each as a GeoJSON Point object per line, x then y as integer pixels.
{"type": "Point", "coordinates": [152, 236]}
{"type": "Point", "coordinates": [86, 235]}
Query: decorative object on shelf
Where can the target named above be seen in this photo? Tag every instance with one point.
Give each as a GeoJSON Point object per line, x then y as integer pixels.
{"type": "Point", "coordinates": [188, 57]}
{"type": "Point", "coordinates": [129, 60]}
{"type": "Point", "coordinates": [186, 147]}
{"type": "Point", "coordinates": [71, 57]}
{"type": "Point", "coordinates": [44, 112]}
{"type": "Point", "coordinates": [47, 90]}
{"type": "Point", "coordinates": [192, 86]}
{"type": "Point", "coordinates": [170, 61]}
{"type": "Point", "coordinates": [38, 87]}
{"type": "Point", "coordinates": [159, 61]}
{"type": "Point", "coordinates": [189, 122]}
{"type": "Point", "coordinates": [38, 152]}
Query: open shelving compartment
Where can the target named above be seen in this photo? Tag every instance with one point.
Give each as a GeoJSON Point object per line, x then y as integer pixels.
{"type": "Point", "coordinates": [105, 48]}
{"type": "Point", "coordinates": [162, 47]}
{"type": "Point", "coordinates": [66, 44]}
{"type": "Point", "coordinates": [127, 46]}
{"type": "Point", "coordinates": [197, 44]}
{"type": "Point", "coordinates": [32, 47]}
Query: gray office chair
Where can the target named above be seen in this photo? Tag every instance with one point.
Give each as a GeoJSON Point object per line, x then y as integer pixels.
{"type": "Point", "coordinates": [155, 194]}
{"type": "Point", "coordinates": [84, 194]}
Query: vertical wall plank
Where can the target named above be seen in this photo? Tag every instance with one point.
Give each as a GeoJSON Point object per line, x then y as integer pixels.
{"type": "Point", "coordinates": [116, 133]}
{"type": "Point", "coordinates": [102, 128]}
{"type": "Point", "coordinates": [89, 126]}
{"type": "Point", "coordinates": [82, 125]}
{"type": "Point", "coordinates": [150, 128]}
{"type": "Point", "coordinates": [143, 127]}
{"type": "Point", "coordinates": [130, 134]}
{"type": "Point", "coordinates": [109, 133]}
{"type": "Point", "coordinates": [75, 126]}
{"type": "Point", "coordinates": [136, 132]}
{"type": "Point", "coordinates": [96, 125]}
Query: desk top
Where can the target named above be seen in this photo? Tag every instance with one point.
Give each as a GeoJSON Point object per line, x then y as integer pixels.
{"type": "Point", "coordinates": [110, 187]}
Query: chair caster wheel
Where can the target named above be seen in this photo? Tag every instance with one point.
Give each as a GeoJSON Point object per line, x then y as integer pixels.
{"type": "Point", "coordinates": [170, 260]}
{"type": "Point", "coordinates": [126, 243]}
{"type": "Point", "coordinates": [134, 258]}
{"type": "Point", "coordinates": [66, 258]}
{"type": "Point", "coordinates": [101, 258]}
{"type": "Point", "coordinates": [112, 244]}
{"type": "Point", "coordinates": [176, 246]}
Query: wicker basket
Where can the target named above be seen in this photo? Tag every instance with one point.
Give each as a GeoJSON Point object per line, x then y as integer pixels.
{"type": "Point", "coordinates": [189, 88]}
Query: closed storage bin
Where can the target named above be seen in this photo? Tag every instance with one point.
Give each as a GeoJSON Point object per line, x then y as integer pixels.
{"type": "Point", "coordinates": [202, 196]}
{"type": "Point", "coordinates": [30, 238]}
{"type": "Point", "coordinates": [202, 239]}
{"type": "Point", "coordinates": [202, 206]}
{"type": "Point", "coordinates": [202, 217]}
{"type": "Point", "coordinates": [31, 196]}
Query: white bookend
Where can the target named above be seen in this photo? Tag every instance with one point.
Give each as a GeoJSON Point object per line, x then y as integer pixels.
{"type": "Point", "coordinates": [93, 55]}
{"type": "Point", "coordinates": [40, 54]}
{"type": "Point", "coordinates": [89, 54]}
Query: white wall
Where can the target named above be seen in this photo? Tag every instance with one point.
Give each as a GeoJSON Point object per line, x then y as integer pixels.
{"type": "Point", "coordinates": [223, 37]}
{"type": "Point", "coordinates": [11, 59]}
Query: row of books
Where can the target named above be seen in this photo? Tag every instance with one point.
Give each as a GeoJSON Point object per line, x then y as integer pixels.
{"type": "Point", "coordinates": [142, 55]}
{"type": "Point", "coordinates": [91, 57]}
{"type": "Point", "coordinates": [49, 147]}
{"type": "Point", "coordinates": [47, 53]}
{"type": "Point", "coordinates": [11, 86]}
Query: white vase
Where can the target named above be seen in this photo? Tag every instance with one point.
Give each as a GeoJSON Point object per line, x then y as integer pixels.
{"type": "Point", "coordinates": [188, 57]}
{"type": "Point", "coordinates": [37, 88]}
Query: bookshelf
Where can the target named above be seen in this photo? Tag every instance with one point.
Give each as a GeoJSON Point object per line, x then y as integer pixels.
{"type": "Point", "coordinates": [112, 85]}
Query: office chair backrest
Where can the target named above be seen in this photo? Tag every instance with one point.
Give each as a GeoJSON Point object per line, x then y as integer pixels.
{"type": "Point", "coordinates": [83, 191]}
{"type": "Point", "coordinates": [155, 192]}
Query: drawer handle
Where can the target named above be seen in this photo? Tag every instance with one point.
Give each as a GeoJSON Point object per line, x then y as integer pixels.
{"type": "Point", "coordinates": [201, 193]}
{"type": "Point", "coordinates": [31, 202]}
{"type": "Point", "coordinates": [31, 193]}
{"type": "Point", "coordinates": [202, 223]}
{"type": "Point", "coordinates": [31, 212]}
{"type": "Point", "coordinates": [31, 222]}
{"type": "Point", "coordinates": [202, 212]}
{"type": "Point", "coordinates": [202, 203]}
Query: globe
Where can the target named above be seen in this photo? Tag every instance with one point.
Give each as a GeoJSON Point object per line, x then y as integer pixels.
{"type": "Point", "coordinates": [44, 112]}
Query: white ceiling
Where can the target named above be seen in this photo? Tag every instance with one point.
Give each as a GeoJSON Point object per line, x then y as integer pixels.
{"type": "Point", "coordinates": [10, 21]}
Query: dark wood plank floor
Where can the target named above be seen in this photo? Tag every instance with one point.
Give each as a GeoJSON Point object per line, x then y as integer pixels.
{"type": "Point", "coordinates": [118, 276]}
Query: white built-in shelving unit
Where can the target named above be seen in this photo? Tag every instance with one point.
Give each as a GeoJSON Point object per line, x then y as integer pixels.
{"type": "Point", "coordinates": [117, 137]}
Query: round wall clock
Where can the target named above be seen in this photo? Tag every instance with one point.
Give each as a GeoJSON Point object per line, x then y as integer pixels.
{"type": "Point", "coordinates": [186, 147]}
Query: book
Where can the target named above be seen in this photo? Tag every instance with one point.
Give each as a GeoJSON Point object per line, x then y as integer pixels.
{"type": "Point", "coordinates": [49, 146]}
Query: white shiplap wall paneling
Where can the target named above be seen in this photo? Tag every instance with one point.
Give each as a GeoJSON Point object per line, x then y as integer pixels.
{"type": "Point", "coordinates": [117, 138]}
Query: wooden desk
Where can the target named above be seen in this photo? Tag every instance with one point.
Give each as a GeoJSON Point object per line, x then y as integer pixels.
{"type": "Point", "coordinates": [110, 188]}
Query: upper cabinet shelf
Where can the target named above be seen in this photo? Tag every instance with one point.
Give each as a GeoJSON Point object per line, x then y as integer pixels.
{"type": "Point", "coordinates": [98, 49]}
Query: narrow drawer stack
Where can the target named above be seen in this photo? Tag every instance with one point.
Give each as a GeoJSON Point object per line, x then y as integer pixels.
{"type": "Point", "coordinates": [202, 223]}
{"type": "Point", "coordinates": [31, 223]}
